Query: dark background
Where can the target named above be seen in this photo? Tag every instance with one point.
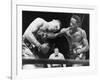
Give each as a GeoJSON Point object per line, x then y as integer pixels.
{"type": "Point", "coordinates": [60, 42]}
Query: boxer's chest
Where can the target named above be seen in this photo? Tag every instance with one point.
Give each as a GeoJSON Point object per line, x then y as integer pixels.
{"type": "Point", "coordinates": [77, 36]}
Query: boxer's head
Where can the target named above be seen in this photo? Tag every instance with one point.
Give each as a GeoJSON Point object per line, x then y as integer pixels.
{"type": "Point", "coordinates": [75, 21]}
{"type": "Point", "coordinates": [54, 25]}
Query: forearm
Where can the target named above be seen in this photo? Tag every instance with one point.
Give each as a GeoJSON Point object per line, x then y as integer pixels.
{"type": "Point", "coordinates": [33, 39]}
{"type": "Point", "coordinates": [85, 49]}
{"type": "Point", "coordinates": [85, 45]}
{"type": "Point", "coordinates": [59, 34]}
{"type": "Point", "coordinates": [53, 35]}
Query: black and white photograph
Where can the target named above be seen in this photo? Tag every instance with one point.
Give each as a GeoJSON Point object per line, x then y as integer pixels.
{"type": "Point", "coordinates": [52, 41]}
{"type": "Point", "coordinates": [55, 39]}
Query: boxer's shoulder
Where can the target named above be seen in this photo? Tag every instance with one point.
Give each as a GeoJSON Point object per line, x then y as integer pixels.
{"type": "Point", "coordinates": [35, 24]}
{"type": "Point", "coordinates": [83, 32]}
{"type": "Point", "coordinates": [39, 19]}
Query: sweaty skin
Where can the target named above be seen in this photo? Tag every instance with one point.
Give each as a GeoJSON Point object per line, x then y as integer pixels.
{"type": "Point", "coordinates": [33, 27]}
{"type": "Point", "coordinates": [40, 28]}
{"type": "Point", "coordinates": [76, 39]}
{"type": "Point", "coordinates": [36, 35]}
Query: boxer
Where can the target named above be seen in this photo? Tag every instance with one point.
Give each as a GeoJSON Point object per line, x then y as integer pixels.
{"type": "Point", "coordinates": [76, 37]}
{"type": "Point", "coordinates": [36, 35]}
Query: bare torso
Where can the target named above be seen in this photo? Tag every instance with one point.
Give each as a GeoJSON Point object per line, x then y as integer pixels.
{"type": "Point", "coordinates": [75, 39]}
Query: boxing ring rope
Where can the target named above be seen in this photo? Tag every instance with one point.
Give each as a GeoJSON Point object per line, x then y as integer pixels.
{"type": "Point", "coordinates": [52, 61]}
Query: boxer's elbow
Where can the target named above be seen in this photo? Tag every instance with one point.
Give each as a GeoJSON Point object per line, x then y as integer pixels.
{"type": "Point", "coordinates": [86, 48]}
{"type": "Point", "coordinates": [86, 45]}
{"type": "Point", "coordinates": [28, 36]}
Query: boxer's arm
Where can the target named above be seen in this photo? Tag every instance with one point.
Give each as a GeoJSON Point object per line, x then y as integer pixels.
{"type": "Point", "coordinates": [30, 31]}
{"type": "Point", "coordinates": [65, 31]}
{"type": "Point", "coordinates": [53, 35]}
{"type": "Point", "coordinates": [85, 43]}
{"type": "Point", "coordinates": [61, 33]}
{"type": "Point", "coordinates": [32, 39]}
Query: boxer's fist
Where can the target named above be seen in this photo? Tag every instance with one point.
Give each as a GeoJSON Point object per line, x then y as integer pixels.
{"type": "Point", "coordinates": [44, 48]}
{"type": "Point", "coordinates": [79, 51]}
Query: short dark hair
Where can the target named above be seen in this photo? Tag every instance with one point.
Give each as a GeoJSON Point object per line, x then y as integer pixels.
{"type": "Point", "coordinates": [78, 19]}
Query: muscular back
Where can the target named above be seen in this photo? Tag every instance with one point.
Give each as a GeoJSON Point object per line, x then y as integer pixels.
{"type": "Point", "coordinates": [34, 26]}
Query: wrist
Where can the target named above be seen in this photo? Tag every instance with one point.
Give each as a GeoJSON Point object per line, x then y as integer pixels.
{"type": "Point", "coordinates": [38, 45]}
{"type": "Point", "coordinates": [81, 51]}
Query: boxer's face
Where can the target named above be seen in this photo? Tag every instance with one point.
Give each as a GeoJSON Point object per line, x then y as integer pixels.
{"type": "Point", "coordinates": [54, 26]}
{"type": "Point", "coordinates": [73, 23]}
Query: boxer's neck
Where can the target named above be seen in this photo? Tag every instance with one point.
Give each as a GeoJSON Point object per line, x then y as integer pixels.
{"type": "Point", "coordinates": [73, 30]}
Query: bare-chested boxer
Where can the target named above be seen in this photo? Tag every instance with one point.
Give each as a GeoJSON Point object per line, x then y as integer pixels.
{"type": "Point", "coordinates": [77, 38]}
{"type": "Point", "coordinates": [36, 35]}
